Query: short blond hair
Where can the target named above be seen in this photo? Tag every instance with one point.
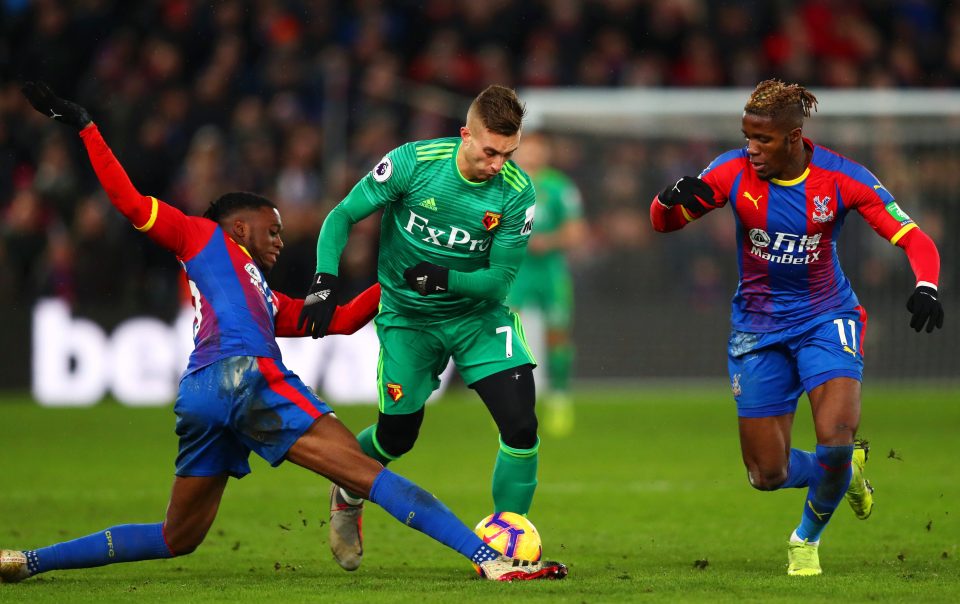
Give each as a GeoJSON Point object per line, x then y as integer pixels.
{"type": "Point", "coordinates": [499, 110]}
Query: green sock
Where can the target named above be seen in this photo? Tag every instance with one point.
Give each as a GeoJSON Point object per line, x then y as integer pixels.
{"type": "Point", "coordinates": [368, 442]}
{"type": "Point", "coordinates": [514, 479]}
{"type": "Point", "coordinates": [559, 364]}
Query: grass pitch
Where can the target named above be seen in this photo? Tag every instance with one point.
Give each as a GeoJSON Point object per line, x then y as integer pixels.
{"type": "Point", "coordinates": [646, 502]}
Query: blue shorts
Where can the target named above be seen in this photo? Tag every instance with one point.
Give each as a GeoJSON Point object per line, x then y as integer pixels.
{"type": "Point", "coordinates": [237, 405]}
{"type": "Point", "coordinates": [769, 371]}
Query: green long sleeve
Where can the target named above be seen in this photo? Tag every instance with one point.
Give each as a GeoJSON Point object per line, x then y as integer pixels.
{"type": "Point", "coordinates": [336, 229]}
{"type": "Point", "coordinates": [490, 283]}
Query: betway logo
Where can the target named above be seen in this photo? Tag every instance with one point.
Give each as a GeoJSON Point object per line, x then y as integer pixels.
{"type": "Point", "coordinates": [457, 237]}
{"type": "Point", "coordinates": [785, 244]}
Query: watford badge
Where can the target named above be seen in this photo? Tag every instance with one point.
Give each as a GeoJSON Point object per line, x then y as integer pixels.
{"type": "Point", "coordinates": [491, 220]}
{"type": "Point", "coordinates": [395, 391]}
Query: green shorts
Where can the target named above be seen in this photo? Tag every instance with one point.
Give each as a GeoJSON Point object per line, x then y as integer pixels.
{"type": "Point", "coordinates": [414, 352]}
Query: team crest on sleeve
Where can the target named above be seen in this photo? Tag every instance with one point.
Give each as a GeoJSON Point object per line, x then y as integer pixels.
{"type": "Point", "coordinates": [383, 170]}
{"type": "Point", "coordinates": [491, 220]}
{"type": "Point", "coordinates": [395, 391]}
{"type": "Point", "coordinates": [528, 222]}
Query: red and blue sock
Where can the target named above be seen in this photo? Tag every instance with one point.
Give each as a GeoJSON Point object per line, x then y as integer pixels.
{"type": "Point", "coordinates": [828, 483]}
{"type": "Point", "coordinates": [800, 469]}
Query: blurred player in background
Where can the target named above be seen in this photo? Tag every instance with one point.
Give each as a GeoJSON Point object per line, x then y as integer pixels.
{"type": "Point", "coordinates": [236, 396]}
{"type": "Point", "coordinates": [457, 215]}
{"type": "Point", "coordinates": [797, 324]}
{"type": "Point", "coordinates": [544, 283]}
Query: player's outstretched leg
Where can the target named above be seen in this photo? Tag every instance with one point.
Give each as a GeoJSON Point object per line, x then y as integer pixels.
{"type": "Point", "coordinates": [860, 493]}
{"type": "Point", "coordinates": [124, 543]}
{"type": "Point", "coordinates": [416, 508]}
{"type": "Point", "coordinates": [329, 449]}
{"type": "Point", "coordinates": [193, 505]}
{"type": "Point", "coordinates": [346, 528]}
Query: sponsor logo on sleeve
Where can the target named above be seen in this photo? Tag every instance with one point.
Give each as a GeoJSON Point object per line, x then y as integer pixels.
{"type": "Point", "coordinates": [894, 210]}
{"type": "Point", "coordinates": [383, 170]}
{"type": "Point", "coordinates": [528, 222]}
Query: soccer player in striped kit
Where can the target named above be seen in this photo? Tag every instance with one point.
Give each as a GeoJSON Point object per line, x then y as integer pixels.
{"type": "Point", "coordinates": [236, 396]}
{"type": "Point", "coordinates": [797, 324]}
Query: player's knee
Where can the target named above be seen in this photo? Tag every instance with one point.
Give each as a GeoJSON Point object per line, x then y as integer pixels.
{"type": "Point", "coordinates": [766, 479]}
{"type": "Point", "coordinates": [396, 434]}
{"type": "Point", "coordinates": [520, 433]}
{"type": "Point", "coordinates": [181, 543]}
{"type": "Point", "coordinates": [185, 549]}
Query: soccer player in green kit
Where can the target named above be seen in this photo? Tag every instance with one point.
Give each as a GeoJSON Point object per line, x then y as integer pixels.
{"type": "Point", "coordinates": [457, 215]}
{"type": "Point", "coordinates": [544, 282]}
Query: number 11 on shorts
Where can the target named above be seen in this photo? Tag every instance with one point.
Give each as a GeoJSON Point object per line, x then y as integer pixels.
{"type": "Point", "coordinates": [850, 347]}
{"type": "Point", "coordinates": [509, 331]}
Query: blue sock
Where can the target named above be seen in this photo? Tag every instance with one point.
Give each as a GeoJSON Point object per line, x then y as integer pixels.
{"type": "Point", "coordinates": [418, 509]}
{"type": "Point", "coordinates": [124, 543]}
{"type": "Point", "coordinates": [828, 484]}
{"type": "Point", "coordinates": [802, 465]}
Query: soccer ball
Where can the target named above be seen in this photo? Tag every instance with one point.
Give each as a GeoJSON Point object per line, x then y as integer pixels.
{"type": "Point", "coordinates": [510, 534]}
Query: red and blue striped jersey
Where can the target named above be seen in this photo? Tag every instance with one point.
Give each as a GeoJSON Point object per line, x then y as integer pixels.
{"type": "Point", "coordinates": [235, 311]}
{"type": "Point", "coordinates": [787, 233]}
{"type": "Point", "coordinates": [234, 308]}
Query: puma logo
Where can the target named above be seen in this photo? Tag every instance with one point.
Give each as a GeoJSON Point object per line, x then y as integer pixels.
{"type": "Point", "coordinates": [820, 516]}
{"type": "Point", "coordinates": [751, 198]}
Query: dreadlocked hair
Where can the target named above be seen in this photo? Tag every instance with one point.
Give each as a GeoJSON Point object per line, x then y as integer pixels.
{"type": "Point", "coordinates": [773, 98]}
{"type": "Point", "coordinates": [228, 203]}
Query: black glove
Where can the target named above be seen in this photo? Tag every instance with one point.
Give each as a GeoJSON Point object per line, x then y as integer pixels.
{"type": "Point", "coordinates": [49, 104]}
{"type": "Point", "coordinates": [427, 278]}
{"type": "Point", "coordinates": [926, 308]}
{"type": "Point", "coordinates": [691, 193]}
{"type": "Point", "coordinates": [319, 304]}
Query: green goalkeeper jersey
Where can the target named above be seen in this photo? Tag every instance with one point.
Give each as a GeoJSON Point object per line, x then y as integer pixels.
{"type": "Point", "coordinates": [479, 230]}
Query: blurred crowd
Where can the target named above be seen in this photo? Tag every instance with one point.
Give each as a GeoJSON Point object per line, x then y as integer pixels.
{"type": "Point", "coordinates": [297, 99]}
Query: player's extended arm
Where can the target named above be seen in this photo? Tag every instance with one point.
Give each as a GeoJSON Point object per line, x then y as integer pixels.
{"type": "Point", "coordinates": [336, 229]}
{"type": "Point", "coordinates": [491, 283]}
{"type": "Point", "coordinates": [347, 319]}
{"type": "Point", "coordinates": [162, 223]}
{"type": "Point", "coordinates": [924, 259]}
{"type": "Point", "coordinates": [680, 204]}
{"type": "Point", "coordinates": [921, 251]}
{"type": "Point", "coordinates": [320, 303]}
